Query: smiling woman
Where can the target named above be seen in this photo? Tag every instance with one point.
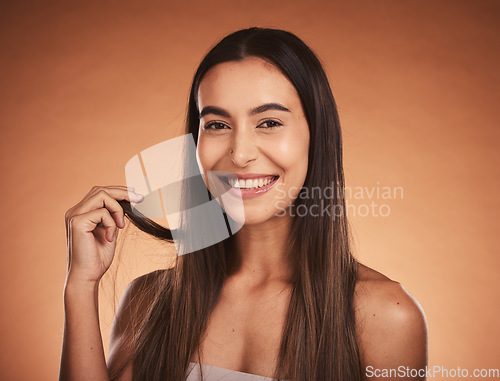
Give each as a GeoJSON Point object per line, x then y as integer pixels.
{"type": "Point", "coordinates": [283, 298]}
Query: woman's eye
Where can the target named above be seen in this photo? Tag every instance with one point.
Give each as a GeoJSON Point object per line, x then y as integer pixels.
{"type": "Point", "coordinates": [215, 126]}
{"type": "Point", "coordinates": [270, 124]}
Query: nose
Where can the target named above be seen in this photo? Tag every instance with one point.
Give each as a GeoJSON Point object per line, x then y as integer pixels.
{"type": "Point", "coordinates": [243, 150]}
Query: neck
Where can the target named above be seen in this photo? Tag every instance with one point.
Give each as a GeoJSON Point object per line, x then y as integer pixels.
{"type": "Point", "coordinates": [260, 251]}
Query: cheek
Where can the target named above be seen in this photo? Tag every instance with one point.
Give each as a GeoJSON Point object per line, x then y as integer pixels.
{"type": "Point", "coordinates": [204, 162]}
{"type": "Point", "coordinates": [292, 154]}
{"type": "Point", "coordinates": [207, 153]}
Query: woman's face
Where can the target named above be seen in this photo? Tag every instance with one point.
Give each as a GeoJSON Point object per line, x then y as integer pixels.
{"type": "Point", "coordinates": [252, 125]}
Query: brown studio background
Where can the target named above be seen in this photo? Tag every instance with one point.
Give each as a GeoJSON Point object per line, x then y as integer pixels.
{"type": "Point", "coordinates": [87, 85]}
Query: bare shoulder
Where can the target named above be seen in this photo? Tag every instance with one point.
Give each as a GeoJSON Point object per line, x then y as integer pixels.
{"type": "Point", "coordinates": [390, 323]}
{"type": "Point", "coordinates": [377, 293]}
{"type": "Point", "coordinates": [135, 294]}
{"type": "Point", "coordinates": [142, 284]}
{"type": "Point", "coordinates": [134, 302]}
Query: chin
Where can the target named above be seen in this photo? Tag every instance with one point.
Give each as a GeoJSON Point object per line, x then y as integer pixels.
{"type": "Point", "coordinates": [252, 218]}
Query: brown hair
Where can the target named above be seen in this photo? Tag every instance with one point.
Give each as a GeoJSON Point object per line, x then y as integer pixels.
{"type": "Point", "coordinates": [319, 339]}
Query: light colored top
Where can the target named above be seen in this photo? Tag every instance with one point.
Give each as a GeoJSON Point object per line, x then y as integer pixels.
{"type": "Point", "coordinates": [213, 373]}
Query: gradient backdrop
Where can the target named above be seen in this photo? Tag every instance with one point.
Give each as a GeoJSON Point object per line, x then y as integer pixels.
{"type": "Point", "coordinates": [86, 85]}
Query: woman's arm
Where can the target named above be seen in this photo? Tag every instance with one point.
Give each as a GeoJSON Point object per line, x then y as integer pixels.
{"type": "Point", "coordinates": [91, 231]}
{"type": "Point", "coordinates": [82, 353]}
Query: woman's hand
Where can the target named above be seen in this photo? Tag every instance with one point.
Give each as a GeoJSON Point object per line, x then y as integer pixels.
{"type": "Point", "coordinates": [91, 231]}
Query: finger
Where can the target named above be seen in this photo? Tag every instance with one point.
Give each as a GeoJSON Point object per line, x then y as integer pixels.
{"type": "Point", "coordinates": [88, 222]}
{"type": "Point", "coordinates": [97, 188]}
{"type": "Point", "coordinates": [122, 194]}
{"type": "Point", "coordinates": [108, 199]}
{"type": "Point", "coordinates": [73, 211]}
{"type": "Point", "coordinates": [120, 186]}
{"type": "Point", "coordinates": [114, 207]}
{"type": "Point", "coordinates": [103, 198]}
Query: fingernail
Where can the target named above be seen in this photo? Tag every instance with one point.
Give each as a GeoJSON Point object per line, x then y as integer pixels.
{"type": "Point", "coordinates": [138, 197]}
{"type": "Point", "coordinates": [131, 188]}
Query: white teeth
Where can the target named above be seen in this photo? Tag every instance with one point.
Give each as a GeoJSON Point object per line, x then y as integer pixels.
{"type": "Point", "coordinates": [249, 183]}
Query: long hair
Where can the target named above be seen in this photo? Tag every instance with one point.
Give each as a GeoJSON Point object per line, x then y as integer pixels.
{"type": "Point", "coordinates": [319, 338]}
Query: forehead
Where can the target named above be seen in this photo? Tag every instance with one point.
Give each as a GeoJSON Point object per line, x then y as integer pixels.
{"type": "Point", "coordinates": [244, 84]}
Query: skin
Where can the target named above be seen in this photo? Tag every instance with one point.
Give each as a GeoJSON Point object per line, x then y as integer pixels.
{"type": "Point", "coordinates": [245, 327]}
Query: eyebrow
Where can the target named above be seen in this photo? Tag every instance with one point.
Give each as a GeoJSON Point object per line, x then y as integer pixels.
{"type": "Point", "coordinates": [257, 110]}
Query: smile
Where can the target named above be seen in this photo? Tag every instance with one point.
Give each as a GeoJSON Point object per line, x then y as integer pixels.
{"type": "Point", "coordinates": [250, 185]}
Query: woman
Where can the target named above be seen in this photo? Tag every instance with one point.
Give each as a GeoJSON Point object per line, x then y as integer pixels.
{"type": "Point", "coordinates": [283, 297]}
